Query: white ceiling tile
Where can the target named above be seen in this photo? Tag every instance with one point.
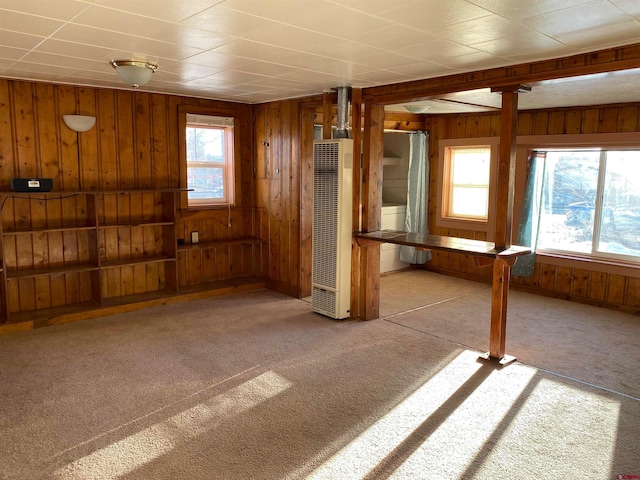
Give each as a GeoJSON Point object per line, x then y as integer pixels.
{"type": "Point", "coordinates": [39, 68]}
{"type": "Point", "coordinates": [25, 23]}
{"type": "Point", "coordinates": [312, 76]}
{"type": "Point", "coordinates": [10, 53]}
{"type": "Point", "coordinates": [217, 60]}
{"type": "Point", "coordinates": [193, 37]}
{"type": "Point", "coordinates": [19, 40]}
{"type": "Point", "coordinates": [436, 50]}
{"type": "Point", "coordinates": [58, 9]}
{"type": "Point", "coordinates": [284, 11]}
{"type": "Point", "coordinates": [191, 70]}
{"type": "Point", "coordinates": [342, 22]}
{"type": "Point", "coordinates": [130, 46]}
{"type": "Point", "coordinates": [342, 69]}
{"type": "Point", "coordinates": [222, 20]}
{"type": "Point", "coordinates": [428, 14]}
{"type": "Point", "coordinates": [521, 43]}
{"type": "Point", "coordinates": [170, 10]}
{"type": "Point", "coordinates": [632, 7]}
{"type": "Point", "coordinates": [386, 76]}
{"type": "Point", "coordinates": [424, 70]}
{"type": "Point", "coordinates": [393, 37]}
{"type": "Point", "coordinates": [78, 50]}
{"type": "Point", "coordinates": [300, 60]}
{"type": "Point", "coordinates": [58, 60]}
{"type": "Point", "coordinates": [603, 36]}
{"type": "Point", "coordinates": [482, 29]}
{"type": "Point", "coordinates": [234, 77]}
{"type": "Point", "coordinates": [384, 60]}
{"type": "Point", "coordinates": [258, 50]}
{"type": "Point", "coordinates": [478, 60]}
{"type": "Point", "coordinates": [265, 68]}
{"type": "Point", "coordinates": [581, 17]}
{"type": "Point", "coordinates": [122, 22]}
{"type": "Point", "coordinates": [518, 10]}
{"type": "Point", "coordinates": [372, 7]}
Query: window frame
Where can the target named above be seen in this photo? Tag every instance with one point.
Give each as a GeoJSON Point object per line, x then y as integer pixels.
{"type": "Point", "coordinates": [602, 262]}
{"type": "Point", "coordinates": [232, 147]}
{"type": "Point", "coordinates": [443, 219]}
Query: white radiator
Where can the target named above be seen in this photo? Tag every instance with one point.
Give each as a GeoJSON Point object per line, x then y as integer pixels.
{"type": "Point", "coordinates": [332, 200]}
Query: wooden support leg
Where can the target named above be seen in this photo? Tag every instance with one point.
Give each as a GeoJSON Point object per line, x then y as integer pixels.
{"type": "Point", "coordinates": [499, 295]}
{"type": "Point", "coordinates": [370, 281]}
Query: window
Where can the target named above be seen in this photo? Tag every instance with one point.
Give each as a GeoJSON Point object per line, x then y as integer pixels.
{"type": "Point", "coordinates": [467, 195]}
{"type": "Point", "coordinates": [209, 145]}
{"type": "Point", "coordinates": [590, 202]}
{"type": "Point", "coordinates": [466, 187]}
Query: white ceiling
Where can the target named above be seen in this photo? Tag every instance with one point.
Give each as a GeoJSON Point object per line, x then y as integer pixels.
{"type": "Point", "coordinates": [260, 50]}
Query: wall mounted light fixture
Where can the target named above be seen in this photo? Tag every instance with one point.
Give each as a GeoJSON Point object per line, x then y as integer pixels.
{"type": "Point", "coordinates": [79, 123]}
{"type": "Point", "coordinates": [134, 72]}
{"type": "Point", "coordinates": [416, 108]}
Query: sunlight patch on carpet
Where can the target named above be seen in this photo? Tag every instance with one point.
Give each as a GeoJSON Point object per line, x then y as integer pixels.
{"type": "Point", "coordinates": [445, 407]}
{"type": "Point", "coordinates": [134, 451]}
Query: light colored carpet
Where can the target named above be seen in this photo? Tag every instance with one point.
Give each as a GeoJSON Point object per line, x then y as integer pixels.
{"type": "Point", "coordinates": [256, 386]}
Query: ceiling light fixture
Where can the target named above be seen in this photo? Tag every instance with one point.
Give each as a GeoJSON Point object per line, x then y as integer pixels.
{"type": "Point", "coordinates": [134, 72]}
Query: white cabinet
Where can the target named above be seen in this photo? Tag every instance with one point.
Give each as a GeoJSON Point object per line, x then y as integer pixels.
{"type": "Point", "coordinates": [392, 219]}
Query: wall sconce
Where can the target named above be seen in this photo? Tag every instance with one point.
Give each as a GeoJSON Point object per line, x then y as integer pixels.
{"type": "Point", "coordinates": [79, 123]}
{"type": "Point", "coordinates": [134, 72]}
{"type": "Point", "coordinates": [416, 108]}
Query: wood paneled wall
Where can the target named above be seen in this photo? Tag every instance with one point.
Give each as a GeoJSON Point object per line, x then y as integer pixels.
{"type": "Point", "coordinates": [582, 284]}
{"type": "Point", "coordinates": [283, 150]}
{"type": "Point", "coordinates": [134, 145]}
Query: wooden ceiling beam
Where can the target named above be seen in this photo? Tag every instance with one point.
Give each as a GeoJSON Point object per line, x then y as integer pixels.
{"type": "Point", "coordinates": [603, 61]}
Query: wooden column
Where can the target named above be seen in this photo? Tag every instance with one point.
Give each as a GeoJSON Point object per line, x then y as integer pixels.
{"type": "Point", "coordinates": [356, 123]}
{"type": "Point", "coordinates": [371, 210]}
{"type": "Point", "coordinates": [504, 218]}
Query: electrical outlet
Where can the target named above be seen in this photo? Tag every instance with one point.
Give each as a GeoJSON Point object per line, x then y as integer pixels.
{"type": "Point", "coordinates": [194, 237]}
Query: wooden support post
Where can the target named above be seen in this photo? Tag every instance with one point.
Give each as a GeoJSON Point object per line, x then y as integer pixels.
{"type": "Point", "coordinates": [356, 124]}
{"type": "Point", "coordinates": [500, 291]}
{"type": "Point", "coordinates": [371, 210]}
{"type": "Point", "coordinates": [504, 218]}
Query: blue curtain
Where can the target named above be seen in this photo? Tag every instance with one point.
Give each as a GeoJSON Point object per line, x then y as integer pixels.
{"type": "Point", "coordinates": [417, 196]}
{"type": "Point", "coordinates": [530, 217]}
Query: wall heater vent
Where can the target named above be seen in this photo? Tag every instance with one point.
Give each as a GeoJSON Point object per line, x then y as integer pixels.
{"type": "Point", "coordinates": [332, 200]}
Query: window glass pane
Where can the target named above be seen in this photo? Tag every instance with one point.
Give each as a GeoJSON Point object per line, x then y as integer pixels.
{"type": "Point", "coordinates": [469, 202]}
{"type": "Point", "coordinates": [471, 166]}
{"type": "Point", "coordinates": [207, 182]}
{"type": "Point", "coordinates": [468, 192]}
{"type": "Point", "coordinates": [569, 190]}
{"type": "Point", "coordinates": [205, 145]}
{"type": "Point", "coordinates": [620, 220]}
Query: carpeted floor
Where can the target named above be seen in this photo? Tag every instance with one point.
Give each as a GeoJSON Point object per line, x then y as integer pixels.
{"type": "Point", "coordinates": [256, 386]}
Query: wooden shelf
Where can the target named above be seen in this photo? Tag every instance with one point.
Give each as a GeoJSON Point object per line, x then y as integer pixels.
{"type": "Point", "coordinates": [41, 316]}
{"type": "Point", "coordinates": [136, 261]}
{"type": "Point", "coordinates": [50, 229]}
{"type": "Point", "coordinates": [152, 208]}
{"type": "Point", "coordinates": [141, 223]}
{"type": "Point", "coordinates": [220, 243]}
{"type": "Point", "coordinates": [36, 272]}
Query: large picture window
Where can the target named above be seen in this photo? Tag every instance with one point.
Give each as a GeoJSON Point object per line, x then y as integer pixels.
{"type": "Point", "coordinates": [209, 145]}
{"type": "Point", "coordinates": [590, 202]}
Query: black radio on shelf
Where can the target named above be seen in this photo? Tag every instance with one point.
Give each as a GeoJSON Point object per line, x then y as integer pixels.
{"type": "Point", "coordinates": [32, 184]}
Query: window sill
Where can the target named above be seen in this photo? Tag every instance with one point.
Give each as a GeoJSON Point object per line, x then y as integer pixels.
{"type": "Point", "coordinates": [617, 267]}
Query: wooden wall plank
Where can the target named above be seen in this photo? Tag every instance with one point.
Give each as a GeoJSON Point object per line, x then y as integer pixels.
{"type": "Point", "coordinates": [88, 142]}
